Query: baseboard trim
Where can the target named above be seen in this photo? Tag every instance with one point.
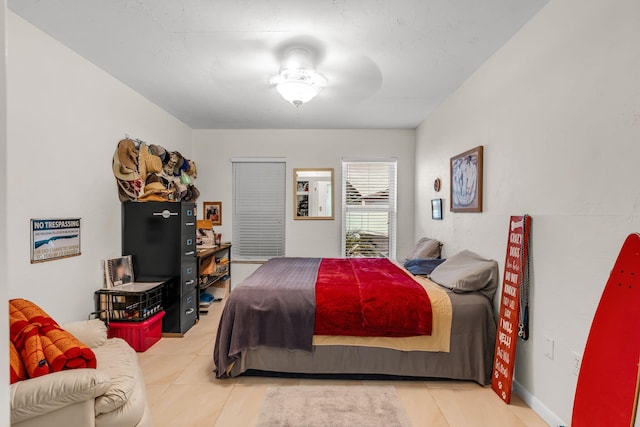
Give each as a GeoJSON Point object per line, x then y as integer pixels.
{"type": "Point", "coordinates": [539, 408]}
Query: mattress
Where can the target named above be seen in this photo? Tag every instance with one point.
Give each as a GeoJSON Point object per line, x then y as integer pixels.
{"type": "Point", "coordinates": [473, 333]}
{"type": "Point", "coordinates": [267, 326]}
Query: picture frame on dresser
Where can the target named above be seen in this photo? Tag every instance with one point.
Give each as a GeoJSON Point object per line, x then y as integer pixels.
{"type": "Point", "coordinates": [212, 211]}
{"type": "Point", "coordinates": [466, 181]}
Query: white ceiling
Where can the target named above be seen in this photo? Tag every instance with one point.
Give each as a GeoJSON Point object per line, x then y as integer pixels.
{"type": "Point", "coordinates": [208, 62]}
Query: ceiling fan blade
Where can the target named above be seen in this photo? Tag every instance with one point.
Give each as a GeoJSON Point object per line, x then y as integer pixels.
{"type": "Point", "coordinates": [243, 67]}
{"type": "Point", "coordinates": [351, 78]}
{"type": "Point", "coordinates": [312, 45]}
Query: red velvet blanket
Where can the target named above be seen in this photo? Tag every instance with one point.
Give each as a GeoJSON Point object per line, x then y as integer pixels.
{"type": "Point", "coordinates": [369, 297]}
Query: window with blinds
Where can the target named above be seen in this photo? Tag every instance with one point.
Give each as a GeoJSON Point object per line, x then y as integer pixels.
{"type": "Point", "coordinates": [369, 208]}
{"type": "Point", "coordinates": [258, 209]}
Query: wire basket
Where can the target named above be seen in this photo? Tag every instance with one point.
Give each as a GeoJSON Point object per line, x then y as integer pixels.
{"type": "Point", "coordinates": [128, 306]}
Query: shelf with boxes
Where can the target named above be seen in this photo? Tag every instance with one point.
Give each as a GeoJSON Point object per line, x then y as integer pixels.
{"type": "Point", "coordinates": [214, 274]}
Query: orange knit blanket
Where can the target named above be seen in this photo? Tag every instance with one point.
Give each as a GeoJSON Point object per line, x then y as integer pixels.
{"type": "Point", "coordinates": [43, 345]}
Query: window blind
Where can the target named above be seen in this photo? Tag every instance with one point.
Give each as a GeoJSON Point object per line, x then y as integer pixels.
{"type": "Point", "coordinates": [369, 208]}
{"type": "Point", "coordinates": [258, 209]}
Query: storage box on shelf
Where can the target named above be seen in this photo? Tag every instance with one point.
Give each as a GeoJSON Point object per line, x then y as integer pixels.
{"type": "Point", "coordinates": [219, 272]}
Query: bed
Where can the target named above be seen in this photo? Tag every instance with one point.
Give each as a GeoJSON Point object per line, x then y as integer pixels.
{"type": "Point", "coordinates": [280, 320]}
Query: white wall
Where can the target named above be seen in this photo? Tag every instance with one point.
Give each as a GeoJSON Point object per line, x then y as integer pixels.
{"type": "Point", "coordinates": [304, 149]}
{"type": "Point", "coordinates": [4, 315]}
{"type": "Point", "coordinates": [65, 118]}
{"type": "Point", "coordinates": [558, 112]}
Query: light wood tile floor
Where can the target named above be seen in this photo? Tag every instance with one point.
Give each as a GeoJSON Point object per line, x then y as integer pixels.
{"type": "Point", "coordinates": [183, 391]}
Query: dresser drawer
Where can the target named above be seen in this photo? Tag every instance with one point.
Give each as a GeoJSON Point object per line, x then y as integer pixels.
{"type": "Point", "coordinates": [189, 310]}
{"type": "Point", "coordinates": [189, 214]}
{"type": "Point", "coordinates": [188, 229]}
{"type": "Point", "coordinates": [189, 277]}
{"type": "Point", "coordinates": [188, 245]}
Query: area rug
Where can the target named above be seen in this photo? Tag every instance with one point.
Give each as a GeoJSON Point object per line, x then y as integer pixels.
{"type": "Point", "coordinates": [332, 406]}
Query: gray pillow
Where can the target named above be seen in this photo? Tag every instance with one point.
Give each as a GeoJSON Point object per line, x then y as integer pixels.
{"type": "Point", "coordinates": [468, 272]}
{"type": "Point", "coordinates": [426, 248]}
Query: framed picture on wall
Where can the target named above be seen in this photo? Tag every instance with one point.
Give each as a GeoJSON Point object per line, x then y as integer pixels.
{"type": "Point", "coordinates": [466, 181]}
{"type": "Point", "coordinates": [436, 209]}
{"type": "Point", "coordinates": [212, 211]}
{"type": "Point", "coordinates": [54, 239]}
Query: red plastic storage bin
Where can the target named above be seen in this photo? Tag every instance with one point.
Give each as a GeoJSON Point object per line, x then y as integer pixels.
{"type": "Point", "coordinates": [139, 335]}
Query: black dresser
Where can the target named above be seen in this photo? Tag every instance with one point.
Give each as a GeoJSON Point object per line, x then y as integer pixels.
{"type": "Point", "coordinates": [161, 237]}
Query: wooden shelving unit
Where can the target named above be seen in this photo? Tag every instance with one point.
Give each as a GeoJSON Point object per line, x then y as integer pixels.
{"type": "Point", "coordinates": [214, 270]}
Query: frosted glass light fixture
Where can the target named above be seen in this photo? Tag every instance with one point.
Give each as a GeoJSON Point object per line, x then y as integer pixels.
{"type": "Point", "coordinates": [297, 92]}
{"type": "Point", "coordinates": [297, 82]}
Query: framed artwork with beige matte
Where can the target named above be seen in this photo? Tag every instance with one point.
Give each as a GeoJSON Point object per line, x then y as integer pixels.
{"type": "Point", "coordinates": [466, 181]}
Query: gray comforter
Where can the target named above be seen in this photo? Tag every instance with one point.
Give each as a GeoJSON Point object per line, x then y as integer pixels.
{"type": "Point", "coordinates": [275, 308]}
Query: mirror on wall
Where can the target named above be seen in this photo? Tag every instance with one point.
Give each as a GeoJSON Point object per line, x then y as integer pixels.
{"type": "Point", "coordinates": [313, 194]}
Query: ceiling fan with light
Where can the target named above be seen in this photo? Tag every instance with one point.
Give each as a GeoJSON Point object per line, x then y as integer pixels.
{"type": "Point", "coordinates": [299, 68]}
{"type": "Point", "coordinates": [298, 82]}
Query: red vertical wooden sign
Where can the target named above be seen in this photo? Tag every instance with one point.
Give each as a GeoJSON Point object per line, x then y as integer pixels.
{"type": "Point", "coordinates": [514, 265]}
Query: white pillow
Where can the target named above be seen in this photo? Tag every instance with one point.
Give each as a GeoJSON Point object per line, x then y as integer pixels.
{"type": "Point", "coordinates": [468, 272]}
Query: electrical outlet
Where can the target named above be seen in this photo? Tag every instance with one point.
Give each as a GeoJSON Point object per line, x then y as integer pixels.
{"type": "Point", "coordinates": [548, 347]}
{"type": "Point", "coordinates": [577, 361]}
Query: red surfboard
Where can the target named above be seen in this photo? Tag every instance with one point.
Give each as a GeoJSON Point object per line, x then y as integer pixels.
{"type": "Point", "coordinates": [607, 389]}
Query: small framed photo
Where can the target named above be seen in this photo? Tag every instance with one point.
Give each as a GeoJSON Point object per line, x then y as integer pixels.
{"type": "Point", "coordinates": [466, 181]}
{"type": "Point", "coordinates": [118, 271]}
{"type": "Point", "coordinates": [436, 209]}
{"type": "Point", "coordinates": [212, 211]}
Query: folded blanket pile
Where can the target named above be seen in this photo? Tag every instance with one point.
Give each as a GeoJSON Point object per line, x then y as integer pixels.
{"type": "Point", "coordinates": [42, 344]}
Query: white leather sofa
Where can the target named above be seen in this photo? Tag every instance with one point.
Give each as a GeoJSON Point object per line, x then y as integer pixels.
{"type": "Point", "coordinates": [111, 395]}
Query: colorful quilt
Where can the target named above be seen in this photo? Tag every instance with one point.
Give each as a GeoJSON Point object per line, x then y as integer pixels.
{"type": "Point", "coordinates": [43, 346]}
